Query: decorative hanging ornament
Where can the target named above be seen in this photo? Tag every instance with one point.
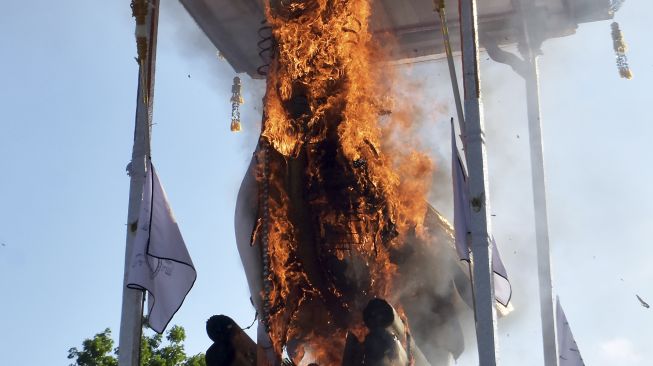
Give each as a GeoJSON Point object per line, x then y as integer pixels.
{"type": "Point", "coordinates": [620, 48]}
{"type": "Point", "coordinates": [236, 101]}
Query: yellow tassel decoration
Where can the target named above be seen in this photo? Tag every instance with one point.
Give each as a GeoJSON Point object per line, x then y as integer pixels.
{"type": "Point", "coordinates": [620, 48]}
{"type": "Point", "coordinates": [236, 101]}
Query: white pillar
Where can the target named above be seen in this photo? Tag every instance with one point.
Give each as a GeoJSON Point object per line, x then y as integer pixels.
{"type": "Point", "coordinates": [132, 300]}
{"type": "Point", "coordinates": [547, 310]}
{"type": "Point", "coordinates": [530, 50]}
{"type": "Point", "coordinates": [478, 188]}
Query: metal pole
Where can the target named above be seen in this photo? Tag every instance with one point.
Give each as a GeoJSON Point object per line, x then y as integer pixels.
{"type": "Point", "coordinates": [531, 76]}
{"type": "Point", "coordinates": [528, 69]}
{"type": "Point", "coordinates": [478, 188]}
{"type": "Point", "coordinates": [132, 300]}
{"type": "Point", "coordinates": [547, 310]}
{"type": "Point", "coordinates": [440, 8]}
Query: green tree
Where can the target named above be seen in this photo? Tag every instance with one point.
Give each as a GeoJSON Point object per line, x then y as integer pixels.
{"type": "Point", "coordinates": [99, 351]}
{"type": "Point", "coordinates": [95, 351]}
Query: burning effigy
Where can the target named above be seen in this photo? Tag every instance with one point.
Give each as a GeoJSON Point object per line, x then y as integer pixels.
{"type": "Point", "coordinates": [332, 215]}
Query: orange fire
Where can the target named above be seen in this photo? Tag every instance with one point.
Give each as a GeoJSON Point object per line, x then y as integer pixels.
{"type": "Point", "coordinates": [340, 187]}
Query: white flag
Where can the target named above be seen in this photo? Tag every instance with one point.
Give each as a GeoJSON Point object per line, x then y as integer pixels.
{"type": "Point", "coordinates": [502, 287]}
{"type": "Point", "coordinates": [461, 214]}
{"type": "Point", "coordinates": [462, 223]}
{"type": "Point", "coordinates": [160, 263]}
{"type": "Point", "coordinates": [567, 348]}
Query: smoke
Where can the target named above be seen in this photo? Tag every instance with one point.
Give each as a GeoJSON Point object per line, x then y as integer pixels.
{"type": "Point", "coordinates": [429, 115]}
{"type": "Point", "coordinates": [432, 287]}
{"type": "Point", "coordinates": [511, 207]}
{"type": "Point", "coordinates": [420, 88]}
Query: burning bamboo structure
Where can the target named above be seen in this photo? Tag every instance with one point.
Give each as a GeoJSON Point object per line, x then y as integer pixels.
{"type": "Point", "coordinates": [332, 214]}
{"type": "Point", "coordinates": [332, 206]}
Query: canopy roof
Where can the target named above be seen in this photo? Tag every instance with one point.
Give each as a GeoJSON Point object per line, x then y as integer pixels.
{"type": "Point", "coordinates": [233, 26]}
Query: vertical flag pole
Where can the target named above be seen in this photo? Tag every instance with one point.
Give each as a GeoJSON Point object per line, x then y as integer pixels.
{"type": "Point", "coordinates": [478, 188]}
{"type": "Point", "coordinates": [146, 13]}
{"type": "Point", "coordinates": [531, 77]}
{"type": "Point", "coordinates": [547, 311]}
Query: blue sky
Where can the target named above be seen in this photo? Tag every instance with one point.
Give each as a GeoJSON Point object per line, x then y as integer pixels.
{"type": "Point", "coordinates": [67, 102]}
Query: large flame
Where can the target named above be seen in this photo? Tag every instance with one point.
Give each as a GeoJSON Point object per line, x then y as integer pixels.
{"type": "Point", "coordinates": [342, 189]}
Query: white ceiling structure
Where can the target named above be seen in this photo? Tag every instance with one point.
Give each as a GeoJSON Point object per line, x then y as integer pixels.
{"type": "Point", "coordinates": [233, 26]}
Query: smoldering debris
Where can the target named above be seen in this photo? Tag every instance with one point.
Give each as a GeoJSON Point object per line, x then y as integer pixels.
{"type": "Point", "coordinates": [642, 302]}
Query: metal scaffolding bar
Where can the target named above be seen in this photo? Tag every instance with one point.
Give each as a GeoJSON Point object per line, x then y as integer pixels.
{"type": "Point", "coordinates": [478, 188]}
{"type": "Point", "coordinates": [441, 9]}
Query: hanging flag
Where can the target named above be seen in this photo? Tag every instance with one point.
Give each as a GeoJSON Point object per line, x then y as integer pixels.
{"type": "Point", "coordinates": [461, 213]}
{"type": "Point", "coordinates": [567, 348]}
{"type": "Point", "coordinates": [160, 263]}
{"type": "Point", "coordinates": [462, 223]}
{"type": "Point", "coordinates": [502, 287]}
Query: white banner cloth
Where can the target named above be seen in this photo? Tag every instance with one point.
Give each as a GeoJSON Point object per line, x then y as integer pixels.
{"type": "Point", "coordinates": [462, 223]}
{"type": "Point", "coordinates": [160, 263]}
{"type": "Point", "coordinates": [567, 348]}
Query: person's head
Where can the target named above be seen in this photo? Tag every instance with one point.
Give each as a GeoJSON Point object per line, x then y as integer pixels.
{"type": "Point", "coordinates": [219, 328]}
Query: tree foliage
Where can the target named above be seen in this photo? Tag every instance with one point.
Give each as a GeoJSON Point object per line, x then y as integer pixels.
{"type": "Point", "coordinates": [99, 351]}
{"type": "Point", "coordinates": [95, 351]}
